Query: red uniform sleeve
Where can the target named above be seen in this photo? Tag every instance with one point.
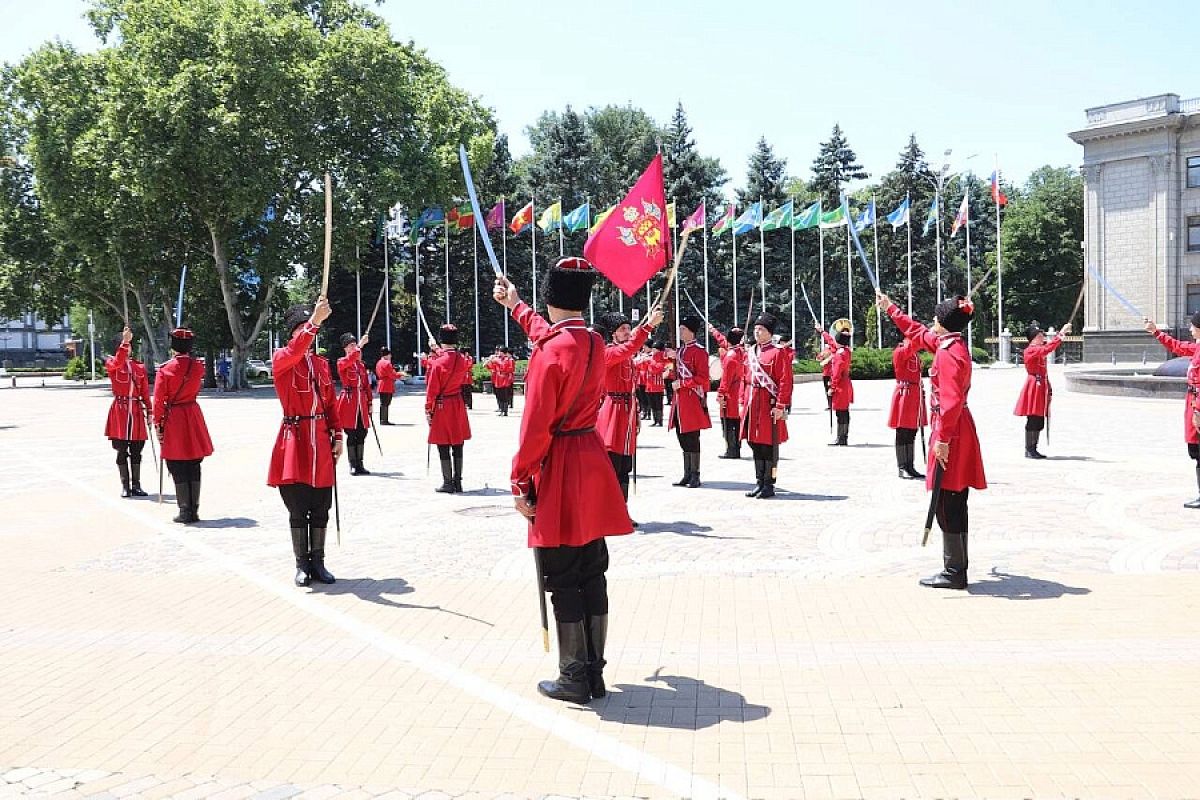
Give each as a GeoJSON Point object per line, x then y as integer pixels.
{"type": "Point", "coordinates": [286, 357]}
{"type": "Point", "coordinates": [433, 384]}
{"type": "Point", "coordinates": [841, 368]}
{"type": "Point", "coordinates": [783, 379]}
{"type": "Point", "coordinates": [829, 340]}
{"type": "Point", "coordinates": [697, 363]}
{"type": "Point", "coordinates": [1179, 348]}
{"type": "Point", "coordinates": [541, 410]}
{"type": "Point", "coordinates": [530, 321]}
{"type": "Point", "coordinates": [721, 340]}
{"type": "Point", "coordinates": [143, 389]}
{"type": "Point", "coordinates": [952, 393]}
{"type": "Point", "coordinates": [164, 386]}
{"type": "Point", "coordinates": [617, 353]}
{"type": "Point", "coordinates": [911, 329]}
{"type": "Point", "coordinates": [324, 381]}
{"type": "Point", "coordinates": [118, 360]}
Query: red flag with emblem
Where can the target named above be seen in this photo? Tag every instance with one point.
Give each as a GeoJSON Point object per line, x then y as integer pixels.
{"type": "Point", "coordinates": [633, 242]}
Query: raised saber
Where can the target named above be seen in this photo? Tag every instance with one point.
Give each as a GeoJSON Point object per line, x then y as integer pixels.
{"type": "Point", "coordinates": [1120, 297]}
{"type": "Point", "coordinates": [857, 244]}
{"type": "Point", "coordinates": [480, 223]}
{"type": "Point", "coordinates": [328, 234]}
{"type": "Point", "coordinates": [808, 303]}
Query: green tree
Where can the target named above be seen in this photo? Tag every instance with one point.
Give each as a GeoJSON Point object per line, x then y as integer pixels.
{"type": "Point", "coordinates": [766, 177]}
{"type": "Point", "coordinates": [690, 177]}
{"type": "Point", "coordinates": [561, 165]}
{"type": "Point", "coordinates": [834, 167]}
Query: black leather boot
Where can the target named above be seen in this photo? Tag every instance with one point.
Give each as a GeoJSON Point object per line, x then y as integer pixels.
{"type": "Point", "coordinates": [597, 635]}
{"type": "Point", "coordinates": [843, 433]}
{"type": "Point", "coordinates": [458, 468]}
{"type": "Point", "coordinates": [694, 480]}
{"type": "Point", "coordinates": [447, 486]}
{"type": "Point", "coordinates": [907, 469]}
{"type": "Point", "coordinates": [572, 683]}
{"type": "Point", "coordinates": [730, 446]}
{"type": "Point", "coordinates": [183, 499]}
{"type": "Point", "coordinates": [135, 483]}
{"type": "Point", "coordinates": [123, 468]}
{"type": "Point", "coordinates": [300, 550]}
{"type": "Point", "coordinates": [768, 490]}
{"type": "Point", "coordinates": [759, 475]}
{"type": "Point", "coordinates": [1195, 503]}
{"type": "Point", "coordinates": [319, 573]}
{"type": "Point", "coordinates": [1031, 443]}
{"type": "Point", "coordinates": [194, 516]}
{"type": "Point", "coordinates": [954, 558]}
{"type": "Point", "coordinates": [362, 451]}
{"type": "Point", "coordinates": [687, 472]}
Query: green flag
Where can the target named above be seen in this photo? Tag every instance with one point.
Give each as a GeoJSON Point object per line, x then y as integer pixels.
{"type": "Point", "coordinates": [808, 218]}
{"type": "Point", "coordinates": [779, 218]}
{"type": "Point", "coordinates": [834, 219]}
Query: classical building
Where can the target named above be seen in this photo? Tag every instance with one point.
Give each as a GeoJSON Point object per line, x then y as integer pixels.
{"type": "Point", "coordinates": [27, 339]}
{"type": "Point", "coordinates": [1141, 164]}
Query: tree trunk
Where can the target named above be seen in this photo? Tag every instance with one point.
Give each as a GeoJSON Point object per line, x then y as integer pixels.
{"type": "Point", "coordinates": [158, 352]}
{"type": "Point", "coordinates": [241, 340]}
{"type": "Point", "coordinates": [210, 374]}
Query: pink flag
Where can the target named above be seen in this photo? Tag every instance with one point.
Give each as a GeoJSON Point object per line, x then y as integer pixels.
{"type": "Point", "coordinates": [696, 220]}
{"type": "Point", "coordinates": [960, 219]}
{"type": "Point", "coordinates": [495, 218]}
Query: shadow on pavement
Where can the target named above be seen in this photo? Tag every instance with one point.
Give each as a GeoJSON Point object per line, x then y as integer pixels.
{"type": "Point", "coordinates": [785, 494]}
{"type": "Point", "coordinates": [682, 528]}
{"type": "Point", "coordinates": [683, 703]}
{"type": "Point", "coordinates": [374, 591]}
{"type": "Point", "coordinates": [1022, 587]}
{"type": "Point", "coordinates": [226, 522]}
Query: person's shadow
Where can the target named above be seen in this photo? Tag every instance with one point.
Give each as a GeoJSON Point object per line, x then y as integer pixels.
{"type": "Point", "coordinates": [1022, 587]}
{"type": "Point", "coordinates": [381, 592]}
{"type": "Point", "coordinates": [226, 522]}
{"type": "Point", "coordinates": [682, 528]}
{"type": "Point", "coordinates": [682, 703]}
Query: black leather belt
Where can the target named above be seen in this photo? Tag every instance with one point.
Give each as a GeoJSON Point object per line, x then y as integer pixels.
{"type": "Point", "coordinates": [576, 432]}
{"type": "Point", "coordinates": [296, 419]}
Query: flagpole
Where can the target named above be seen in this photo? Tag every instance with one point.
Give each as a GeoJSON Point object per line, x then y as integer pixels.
{"type": "Point", "coordinates": [417, 287]}
{"type": "Point", "coordinates": [762, 256]}
{"type": "Point", "coordinates": [792, 228]}
{"type": "Point", "coordinates": [967, 225]}
{"type": "Point", "coordinates": [999, 270]}
{"type": "Point", "coordinates": [387, 289]}
{"type": "Point", "coordinates": [357, 293]}
{"type": "Point", "coordinates": [447, 217]}
{"type": "Point", "coordinates": [674, 233]}
{"type": "Point", "coordinates": [533, 245]}
{"type": "Point", "coordinates": [707, 317]}
{"type": "Point", "coordinates": [504, 251]}
{"type": "Point", "coordinates": [849, 275]}
{"type": "Point", "coordinates": [908, 227]}
{"type": "Point", "coordinates": [821, 251]}
{"type": "Point", "coordinates": [875, 253]}
{"type": "Point", "coordinates": [475, 273]}
{"type": "Point", "coordinates": [587, 223]}
{"type": "Point", "coordinates": [937, 200]}
{"type": "Point", "coordinates": [733, 234]}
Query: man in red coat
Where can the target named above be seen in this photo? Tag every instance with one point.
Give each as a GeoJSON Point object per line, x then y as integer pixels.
{"type": "Point", "coordinates": [1191, 412]}
{"type": "Point", "coordinates": [908, 406]}
{"type": "Point", "coordinates": [561, 478]}
{"type": "Point", "coordinates": [1034, 402]}
{"type": "Point", "coordinates": [656, 367]}
{"type": "Point", "coordinates": [445, 407]}
{"type": "Point", "coordinates": [385, 381]}
{"type": "Point", "coordinates": [618, 423]}
{"type": "Point", "coordinates": [180, 423]}
{"type": "Point", "coordinates": [731, 388]}
{"type": "Point", "coordinates": [504, 369]}
{"type": "Point", "coordinates": [768, 394]}
{"type": "Point", "coordinates": [129, 414]}
{"type": "Point", "coordinates": [841, 389]}
{"type": "Point", "coordinates": [303, 461]}
{"type": "Point", "coordinates": [354, 402]}
{"type": "Point", "coordinates": [954, 443]}
{"type": "Point", "coordinates": [689, 412]}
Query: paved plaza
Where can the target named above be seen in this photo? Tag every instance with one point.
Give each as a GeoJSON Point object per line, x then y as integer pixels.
{"type": "Point", "coordinates": [758, 649]}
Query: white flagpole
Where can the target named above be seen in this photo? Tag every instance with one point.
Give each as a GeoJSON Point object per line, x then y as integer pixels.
{"type": "Point", "coordinates": [821, 251]}
{"type": "Point", "coordinates": [792, 228]}
{"type": "Point", "coordinates": [447, 226]}
{"type": "Point", "coordinates": [387, 290]}
{"type": "Point", "coordinates": [358, 293]}
{"type": "Point", "coordinates": [475, 273]}
{"type": "Point", "coordinates": [733, 233]}
{"type": "Point", "coordinates": [417, 287]}
{"type": "Point", "coordinates": [967, 225]}
{"type": "Point", "coordinates": [875, 254]}
{"type": "Point", "coordinates": [707, 317]}
{"type": "Point", "coordinates": [849, 276]}
{"type": "Point", "coordinates": [909, 231]}
{"type": "Point", "coordinates": [999, 268]}
{"type": "Point", "coordinates": [533, 245]}
{"type": "Point", "coordinates": [561, 252]}
{"type": "Point", "coordinates": [937, 201]}
{"type": "Point", "coordinates": [587, 223]}
{"type": "Point", "coordinates": [674, 234]}
{"type": "Point", "coordinates": [504, 263]}
{"type": "Point", "coordinates": [762, 257]}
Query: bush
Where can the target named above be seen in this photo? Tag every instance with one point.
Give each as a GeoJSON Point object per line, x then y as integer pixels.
{"type": "Point", "coordinates": [981, 356]}
{"type": "Point", "coordinates": [480, 373]}
{"type": "Point", "coordinates": [77, 369]}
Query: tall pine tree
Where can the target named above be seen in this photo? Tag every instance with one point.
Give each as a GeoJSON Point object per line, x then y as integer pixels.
{"type": "Point", "coordinates": [766, 177]}
{"type": "Point", "coordinates": [690, 177]}
{"type": "Point", "coordinates": [835, 166]}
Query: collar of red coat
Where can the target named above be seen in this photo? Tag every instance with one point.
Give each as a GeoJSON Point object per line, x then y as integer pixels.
{"type": "Point", "coordinates": [571, 323]}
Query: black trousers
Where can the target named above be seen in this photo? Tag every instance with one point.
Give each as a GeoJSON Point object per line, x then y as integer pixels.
{"type": "Point", "coordinates": [906, 435]}
{"type": "Point", "coordinates": [764, 452]}
{"type": "Point", "coordinates": [356, 436]}
{"type": "Point", "coordinates": [843, 417]}
{"type": "Point", "coordinates": [575, 579]}
{"type": "Point", "coordinates": [623, 466]}
{"type": "Point", "coordinates": [827, 379]}
{"type": "Point", "coordinates": [1035, 423]}
{"type": "Point", "coordinates": [643, 401]}
{"type": "Point", "coordinates": [183, 471]}
{"type": "Point", "coordinates": [688, 442]}
{"type": "Point", "coordinates": [307, 505]}
{"type": "Point", "coordinates": [385, 400]}
{"type": "Point", "coordinates": [447, 450]}
{"type": "Point", "coordinates": [952, 511]}
{"type": "Point", "coordinates": [128, 450]}
{"type": "Point", "coordinates": [1194, 453]}
{"type": "Point", "coordinates": [504, 397]}
{"type": "Point", "coordinates": [670, 390]}
{"type": "Point", "coordinates": [655, 401]}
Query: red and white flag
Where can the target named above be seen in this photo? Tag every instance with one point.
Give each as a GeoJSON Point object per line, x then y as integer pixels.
{"type": "Point", "coordinates": [961, 218]}
{"type": "Point", "coordinates": [633, 242]}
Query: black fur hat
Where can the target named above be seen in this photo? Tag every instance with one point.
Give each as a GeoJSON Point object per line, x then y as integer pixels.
{"type": "Point", "coordinates": [954, 313]}
{"type": "Point", "coordinates": [181, 340]}
{"type": "Point", "coordinates": [692, 323]}
{"type": "Point", "coordinates": [735, 336]}
{"type": "Point", "coordinates": [768, 321]}
{"type": "Point", "coordinates": [606, 324]}
{"type": "Point", "coordinates": [1196, 319]}
{"type": "Point", "coordinates": [1032, 330]}
{"type": "Point", "coordinates": [294, 317]}
{"type": "Point", "coordinates": [448, 334]}
{"type": "Point", "coordinates": [569, 284]}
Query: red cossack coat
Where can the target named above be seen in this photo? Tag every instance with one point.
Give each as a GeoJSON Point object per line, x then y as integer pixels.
{"type": "Point", "coordinates": [766, 389]}
{"type": "Point", "coordinates": [385, 376]}
{"type": "Point", "coordinates": [950, 383]}
{"type": "Point", "coordinates": [185, 436]}
{"type": "Point", "coordinates": [639, 370]}
{"type": "Point", "coordinates": [1034, 400]}
{"type": "Point", "coordinates": [839, 374]}
{"type": "Point", "coordinates": [1181, 348]}
{"type": "Point", "coordinates": [354, 402]}
{"type": "Point", "coordinates": [303, 451]}
{"type": "Point", "coordinates": [449, 370]}
{"type": "Point", "coordinates": [733, 377]}
{"type": "Point", "coordinates": [618, 422]}
{"type": "Point", "coordinates": [690, 411]}
{"type": "Point", "coordinates": [131, 397]}
{"type": "Point", "coordinates": [656, 367]}
{"type": "Point", "coordinates": [503, 369]}
{"type": "Point", "coordinates": [561, 462]}
{"type": "Point", "coordinates": [908, 398]}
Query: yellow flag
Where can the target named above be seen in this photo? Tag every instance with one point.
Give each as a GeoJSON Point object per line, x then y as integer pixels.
{"type": "Point", "coordinates": [671, 215]}
{"type": "Point", "coordinates": [600, 218]}
{"type": "Point", "coordinates": [551, 218]}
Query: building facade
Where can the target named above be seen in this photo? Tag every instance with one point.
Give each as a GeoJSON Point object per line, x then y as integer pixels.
{"type": "Point", "coordinates": [26, 339]}
{"type": "Point", "coordinates": [1141, 165]}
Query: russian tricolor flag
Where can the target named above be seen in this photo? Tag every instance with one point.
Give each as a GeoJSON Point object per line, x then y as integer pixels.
{"type": "Point", "coordinates": [998, 196]}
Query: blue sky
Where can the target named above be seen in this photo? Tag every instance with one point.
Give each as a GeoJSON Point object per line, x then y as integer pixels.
{"type": "Point", "coordinates": [1002, 80]}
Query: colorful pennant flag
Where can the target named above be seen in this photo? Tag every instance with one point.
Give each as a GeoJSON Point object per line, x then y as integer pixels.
{"type": "Point", "coordinates": [833, 219]}
{"type": "Point", "coordinates": [578, 219]}
{"type": "Point", "coordinates": [522, 219]}
{"type": "Point", "coordinates": [779, 218]}
{"type": "Point", "coordinates": [808, 218]}
{"type": "Point", "coordinates": [931, 217]}
{"type": "Point", "coordinates": [634, 243]}
{"type": "Point", "coordinates": [725, 223]}
{"type": "Point", "coordinates": [696, 220]}
{"type": "Point", "coordinates": [998, 195]}
{"type": "Point", "coordinates": [962, 217]}
{"type": "Point", "coordinates": [671, 216]}
{"type": "Point", "coordinates": [495, 217]}
{"type": "Point", "coordinates": [899, 217]}
{"type": "Point", "coordinates": [603, 215]}
{"type": "Point", "coordinates": [867, 218]}
{"type": "Point", "coordinates": [461, 218]}
{"type": "Point", "coordinates": [750, 219]}
{"type": "Point", "coordinates": [551, 218]}
{"type": "Point", "coordinates": [430, 216]}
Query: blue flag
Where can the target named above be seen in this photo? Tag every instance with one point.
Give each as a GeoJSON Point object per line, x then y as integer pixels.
{"type": "Point", "coordinates": [430, 216]}
{"type": "Point", "coordinates": [899, 217]}
{"type": "Point", "coordinates": [749, 220]}
{"type": "Point", "coordinates": [931, 217]}
{"type": "Point", "coordinates": [866, 219]}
